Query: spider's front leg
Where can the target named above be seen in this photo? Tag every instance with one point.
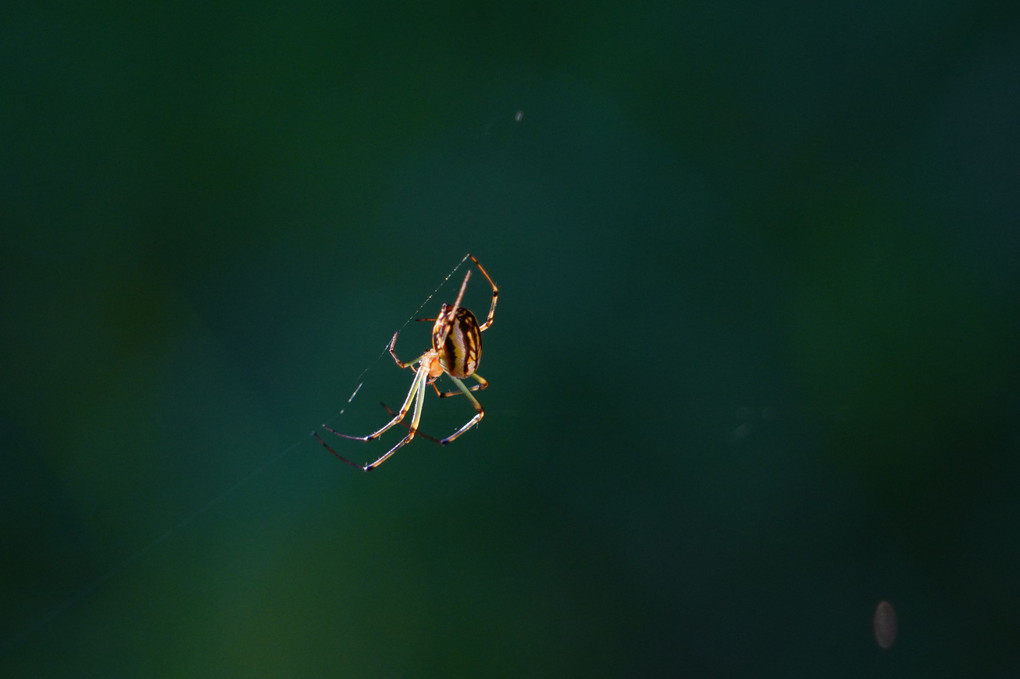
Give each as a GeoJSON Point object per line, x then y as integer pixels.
{"type": "Point", "coordinates": [393, 353]}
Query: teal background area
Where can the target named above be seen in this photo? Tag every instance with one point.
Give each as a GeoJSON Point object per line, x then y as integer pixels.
{"type": "Point", "coordinates": [753, 370]}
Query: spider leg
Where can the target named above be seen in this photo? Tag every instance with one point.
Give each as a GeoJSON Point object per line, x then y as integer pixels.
{"type": "Point", "coordinates": [418, 392]}
{"type": "Point", "coordinates": [463, 287]}
{"type": "Point", "coordinates": [416, 386]}
{"type": "Point", "coordinates": [474, 420]}
{"type": "Point", "coordinates": [495, 294]}
{"type": "Point", "coordinates": [407, 426]}
{"type": "Point", "coordinates": [482, 384]}
{"type": "Point", "coordinates": [336, 454]}
{"type": "Point", "coordinates": [412, 430]}
{"type": "Point", "coordinates": [409, 364]}
{"type": "Point", "coordinates": [438, 341]}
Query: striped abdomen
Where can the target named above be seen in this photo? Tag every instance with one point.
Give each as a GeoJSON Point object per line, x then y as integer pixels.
{"type": "Point", "coordinates": [461, 349]}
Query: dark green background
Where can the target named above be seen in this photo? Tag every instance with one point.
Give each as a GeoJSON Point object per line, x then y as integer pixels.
{"type": "Point", "coordinates": [754, 367]}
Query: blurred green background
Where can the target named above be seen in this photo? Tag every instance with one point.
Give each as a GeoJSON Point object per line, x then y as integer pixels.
{"type": "Point", "coordinates": [754, 367]}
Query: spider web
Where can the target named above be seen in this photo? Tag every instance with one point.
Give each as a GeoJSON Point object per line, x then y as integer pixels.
{"type": "Point", "coordinates": [83, 593]}
{"type": "Point", "coordinates": [386, 347]}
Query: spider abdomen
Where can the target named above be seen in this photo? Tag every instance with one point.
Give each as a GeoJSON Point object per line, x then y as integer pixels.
{"type": "Point", "coordinates": [460, 350]}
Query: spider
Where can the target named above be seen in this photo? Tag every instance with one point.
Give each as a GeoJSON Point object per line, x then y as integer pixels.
{"type": "Point", "coordinates": [456, 351]}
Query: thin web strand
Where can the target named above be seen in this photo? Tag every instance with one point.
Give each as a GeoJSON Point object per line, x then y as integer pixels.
{"type": "Point", "coordinates": [386, 347]}
{"type": "Point", "coordinates": [91, 587]}
{"type": "Point", "coordinates": [88, 589]}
